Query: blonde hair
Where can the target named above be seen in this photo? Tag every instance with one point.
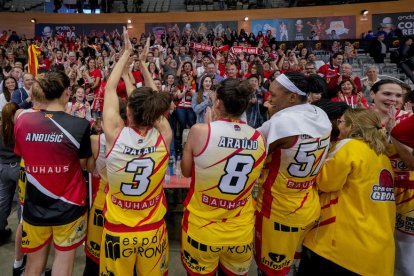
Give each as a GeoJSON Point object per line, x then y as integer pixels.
{"type": "Point", "coordinates": [37, 92]}
{"type": "Point", "coordinates": [365, 125]}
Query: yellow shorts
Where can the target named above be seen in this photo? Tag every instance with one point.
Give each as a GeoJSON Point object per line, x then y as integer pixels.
{"type": "Point", "coordinates": [65, 237]}
{"type": "Point", "coordinates": [276, 245]}
{"type": "Point", "coordinates": [94, 235]}
{"type": "Point", "coordinates": [204, 259]}
{"type": "Point", "coordinates": [125, 249]}
{"type": "Point", "coordinates": [21, 183]}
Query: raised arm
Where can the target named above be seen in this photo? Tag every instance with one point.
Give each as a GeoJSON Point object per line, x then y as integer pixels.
{"type": "Point", "coordinates": [111, 117]}
{"type": "Point", "coordinates": [149, 82]}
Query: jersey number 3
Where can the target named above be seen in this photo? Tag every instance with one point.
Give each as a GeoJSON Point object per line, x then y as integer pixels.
{"type": "Point", "coordinates": [143, 168]}
{"type": "Point", "coordinates": [237, 169]}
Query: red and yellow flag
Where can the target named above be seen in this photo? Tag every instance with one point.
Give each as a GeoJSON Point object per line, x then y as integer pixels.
{"type": "Point", "coordinates": [33, 52]}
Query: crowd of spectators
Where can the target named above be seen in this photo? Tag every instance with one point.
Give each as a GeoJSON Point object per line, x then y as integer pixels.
{"type": "Point", "coordinates": [191, 67]}
{"type": "Point", "coordinates": [185, 72]}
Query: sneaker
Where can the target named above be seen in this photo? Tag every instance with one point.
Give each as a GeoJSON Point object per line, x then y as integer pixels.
{"type": "Point", "coordinates": [17, 271]}
{"type": "Point", "coordinates": [5, 235]}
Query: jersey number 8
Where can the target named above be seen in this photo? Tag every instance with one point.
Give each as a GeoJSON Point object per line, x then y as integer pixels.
{"type": "Point", "coordinates": [237, 169]}
{"type": "Point", "coordinates": [143, 168]}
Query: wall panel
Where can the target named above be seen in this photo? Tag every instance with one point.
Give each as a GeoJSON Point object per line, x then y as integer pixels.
{"type": "Point", "coordinates": [20, 22]}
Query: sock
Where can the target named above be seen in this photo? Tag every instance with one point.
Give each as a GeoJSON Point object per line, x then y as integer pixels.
{"type": "Point", "coordinates": [17, 264]}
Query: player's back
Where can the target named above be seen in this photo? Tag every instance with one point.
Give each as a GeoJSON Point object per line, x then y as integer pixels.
{"type": "Point", "coordinates": [136, 167]}
{"type": "Point", "coordinates": [219, 202]}
{"type": "Point", "coordinates": [288, 191]}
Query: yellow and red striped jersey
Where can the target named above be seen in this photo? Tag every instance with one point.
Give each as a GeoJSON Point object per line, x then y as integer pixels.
{"type": "Point", "coordinates": [404, 186]}
{"type": "Point", "coordinates": [287, 186]}
{"type": "Point", "coordinates": [218, 207]}
{"type": "Point", "coordinates": [136, 167]}
{"type": "Point", "coordinates": [99, 200]}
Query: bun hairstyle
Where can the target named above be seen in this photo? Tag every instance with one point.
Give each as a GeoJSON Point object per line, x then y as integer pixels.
{"type": "Point", "coordinates": [147, 106]}
{"type": "Point", "coordinates": [304, 83]}
{"type": "Point", "coordinates": [235, 95]}
{"type": "Point", "coordinates": [317, 84]}
{"type": "Point", "coordinates": [54, 84]}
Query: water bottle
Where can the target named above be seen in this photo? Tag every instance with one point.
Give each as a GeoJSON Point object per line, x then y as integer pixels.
{"type": "Point", "coordinates": [178, 168]}
{"type": "Point", "coordinates": [171, 165]}
{"type": "Point", "coordinates": [167, 177]}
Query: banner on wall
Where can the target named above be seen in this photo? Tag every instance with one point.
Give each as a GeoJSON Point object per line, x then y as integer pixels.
{"type": "Point", "coordinates": [202, 28]}
{"type": "Point", "coordinates": [387, 21]}
{"type": "Point", "coordinates": [324, 28]}
{"type": "Point", "coordinates": [45, 30]}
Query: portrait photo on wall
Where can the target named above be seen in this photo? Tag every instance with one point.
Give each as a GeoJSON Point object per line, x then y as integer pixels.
{"type": "Point", "coordinates": [311, 28]}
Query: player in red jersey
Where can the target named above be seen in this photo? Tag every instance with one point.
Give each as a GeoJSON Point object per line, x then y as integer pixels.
{"type": "Point", "coordinates": [55, 147]}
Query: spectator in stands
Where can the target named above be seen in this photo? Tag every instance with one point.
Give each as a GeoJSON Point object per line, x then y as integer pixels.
{"type": "Point", "coordinates": [186, 67]}
{"type": "Point", "coordinates": [371, 78]}
{"type": "Point", "coordinates": [202, 99]}
{"type": "Point", "coordinates": [92, 77]}
{"type": "Point", "coordinates": [256, 112]}
{"type": "Point", "coordinates": [331, 69]}
{"type": "Point", "coordinates": [78, 106]}
{"type": "Point", "coordinates": [22, 96]}
{"type": "Point", "coordinates": [317, 62]}
{"type": "Point", "coordinates": [349, 94]}
{"type": "Point", "coordinates": [407, 57]}
{"type": "Point", "coordinates": [309, 68]}
{"type": "Point", "coordinates": [232, 71]}
{"type": "Point", "coordinates": [349, 52]}
{"type": "Point", "coordinates": [369, 35]}
{"type": "Point", "coordinates": [408, 103]}
{"type": "Point", "coordinates": [13, 37]}
{"type": "Point", "coordinates": [378, 49]}
{"type": "Point", "coordinates": [202, 69]}
{"type": "Point", "coordinates": [9, 85]}
{"type": "Point", "coordinates": [185, 114]}
{"type": "Point", "coordinates": [58, 5]}
{"type": "Point", "coordinates": [346, 74]}
{"type": "Point", "coordinates": [169, 66]}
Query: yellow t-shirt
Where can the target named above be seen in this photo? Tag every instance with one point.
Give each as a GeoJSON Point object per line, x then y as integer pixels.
{"type": "Point", "coordinates": [356, 229]}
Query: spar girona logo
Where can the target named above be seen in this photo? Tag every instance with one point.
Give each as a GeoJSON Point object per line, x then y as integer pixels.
{"type": "Point", "coordinates": [384, 190]}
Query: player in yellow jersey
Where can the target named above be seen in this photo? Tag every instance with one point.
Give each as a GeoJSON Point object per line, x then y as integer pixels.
{"type": "Point", "coordinates": [135, 234]}
{"type": "Point", "coordinates": [95, 217]}
{"type": "Point", "coordinates": [297, 137]}
{"type": "Point", "coordinates": [224, 159]}
{"type": "Point", "coordinates": [358, 204]}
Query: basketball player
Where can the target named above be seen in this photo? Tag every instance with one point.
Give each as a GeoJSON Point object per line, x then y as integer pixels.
{"type": "Point", "coordinates": [55, 147]}
{"type": "Point", "coordinates": [135, 234]}
{"type": "Point", "coordinates": [224, 159]}
{"type": "Point", "coordinates": [297, 138]}
{"type": "Point", "coordinates": [39, 103]}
